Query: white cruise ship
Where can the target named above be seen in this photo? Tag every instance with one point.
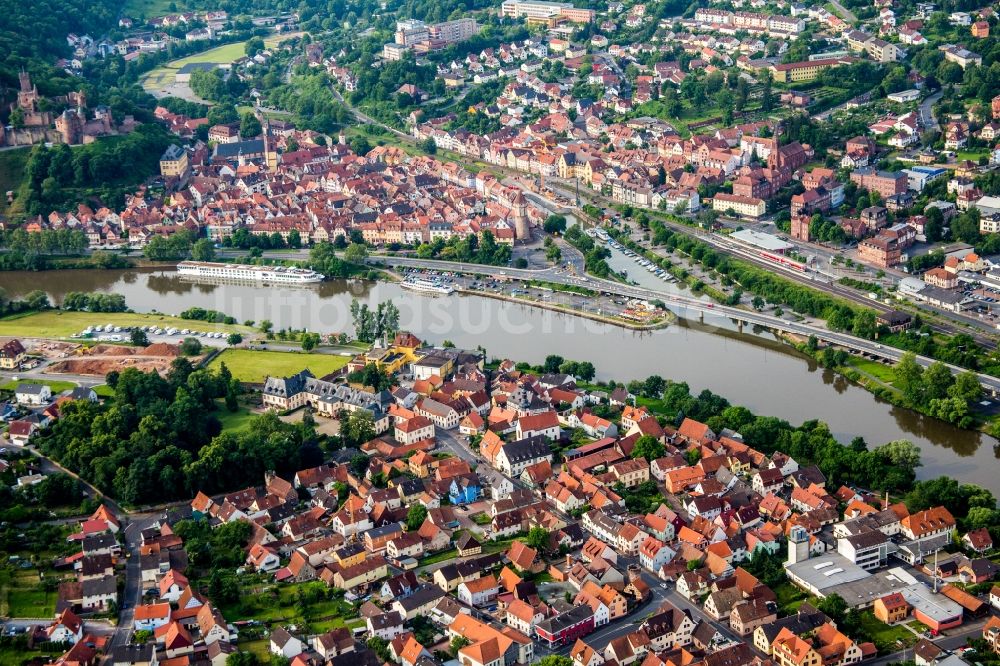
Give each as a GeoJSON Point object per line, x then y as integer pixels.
{"type": "Point", "coordinates": [210, 270]}
{"type": "Point", "coordinates": [429, 286]}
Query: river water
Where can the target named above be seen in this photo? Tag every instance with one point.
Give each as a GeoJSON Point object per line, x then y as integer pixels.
{"type": "Point", "coordinates": [750, 368]}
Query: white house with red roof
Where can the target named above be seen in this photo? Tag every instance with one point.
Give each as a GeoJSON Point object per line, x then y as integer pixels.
{"type": "Point", "coordinates": [66, 628]}
{"type": "Point", "coordinates": [545, 423]}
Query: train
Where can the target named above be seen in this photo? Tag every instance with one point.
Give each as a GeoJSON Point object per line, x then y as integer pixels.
{"type": "Point", "coordinates": [783, 261]}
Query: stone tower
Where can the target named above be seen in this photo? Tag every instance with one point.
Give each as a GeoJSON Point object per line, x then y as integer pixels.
{"type": "Point", "coordinates": [27, 102]}
{"type": "Point", "coordinates": [27, 96]}
{"type": "Point", "coordinates": [522, 230]}
{"type": "Point", "coordinates": [69, 124]}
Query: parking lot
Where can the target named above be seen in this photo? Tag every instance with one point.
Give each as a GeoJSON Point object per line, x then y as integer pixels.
{"type": "Point", "coordinates": [102, 333]}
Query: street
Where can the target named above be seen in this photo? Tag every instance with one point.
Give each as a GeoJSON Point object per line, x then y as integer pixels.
{"type": "Point", "coordinates": [133, 579]}
{"type": "Point", "coordinates": [845, 13]}
{"type": "Point", "coordinates": [926, 111]}
{"type": "Point", "coordinates": [450, 442]}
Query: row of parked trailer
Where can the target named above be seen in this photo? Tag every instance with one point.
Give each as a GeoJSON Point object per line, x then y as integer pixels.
{"type": "Point", "coordinates": [110, 329]}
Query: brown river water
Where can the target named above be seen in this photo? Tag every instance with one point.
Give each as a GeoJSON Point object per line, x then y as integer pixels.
{"type": "Point", "coordinates": [750, 368]}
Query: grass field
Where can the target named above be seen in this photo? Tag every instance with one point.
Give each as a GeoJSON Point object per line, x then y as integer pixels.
{"type": "Point", "coordinates": [22, 595]}
{"type": "Point", "coordinates": [489, 547]}
{"type": "Point", "coordinates": [59, 324]}
{"type": "Point", "coordinates": [789, 597]}
{"type": "Point", "coordinates": [436, 558]}
{"type": "Point", "coordinates": [11, 654]}
{"type": "Point", "coordinates": [12, 163]}
{"type": "Point", "coordinates": [260, 647]}
{"type": "Point", "coordinates": [233, 421]}
{"type": "Point", "coordinates": [298, 603]}
{"type": "Point", "coordinates": [221, 55]}
{"type": "Point", "coordinates": [833, 10]}
{"type": "Point", "coordinates": [255, 366]}
{"type": "Point", "coordinates": [885, 636]}
{"type": "Point", "coordinates": [880, 371]}
{"type": "Point", "coordinates": [151, 8]}
{"type": "Point", "coordinates": [56, 386]}
{"type": "Point", "coordinates": [973, 155]}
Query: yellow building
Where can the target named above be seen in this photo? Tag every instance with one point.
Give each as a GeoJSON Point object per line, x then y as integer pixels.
{"type": "Point", "coordinates": [807, 70]}
{"type": "Point", "coordinates": [398, 355]}
{"type": "Point", "coordinates": [390, 360]}
{"type": "Point", "coordinates": [12, 355]}
{"type": "Point", "coordinates": [174, 162]}
{"type": "Point", "coordinates": [790, 650]}
{"type": "Point", "coordinates": [742, 206]}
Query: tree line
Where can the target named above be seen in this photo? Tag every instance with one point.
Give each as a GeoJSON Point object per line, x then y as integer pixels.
{"type": "Point", "coordinates": [46, 241]}
{"type": "Point", "coordinates": [78, 301]}
{"type": "Point", "coordinates": [170, 248]}
{"type": "Point", "coordinates": [371, 325]}
{"type": "Point", "coordinates": [201, 314]}
{"type": "Point", "coordinates": [936, 391]}
{"type": "Point", "coordinates": [468, 249]}
{"type": "Point", "coordinates": [49, 249]}
{"type": "Point", "coordinates": [60, 177]}
{"type": "Point", "coordinates": [159, 438]}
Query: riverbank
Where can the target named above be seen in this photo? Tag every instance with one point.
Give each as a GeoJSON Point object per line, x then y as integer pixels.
{"type": "Point", "coordinates": [967, 412]}
{"type": "Point", "coordinates": [662, 322]}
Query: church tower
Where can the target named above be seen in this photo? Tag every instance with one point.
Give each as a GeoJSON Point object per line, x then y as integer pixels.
{"type": "Point", "coordinates": [270, 154]}
{"type": "Point", "coordinates": [776, 160]}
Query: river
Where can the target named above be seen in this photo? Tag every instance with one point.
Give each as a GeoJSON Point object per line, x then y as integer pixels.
{"type": "Point", "coordinates": [751, 369]}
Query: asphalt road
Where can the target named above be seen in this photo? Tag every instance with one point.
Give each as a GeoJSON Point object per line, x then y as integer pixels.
{"type": "Point", "coordinates": [132, 592]}
{"type": "Point", "coordinates": [846, 13]}
{"type": "Point", "coordinates": [927, 111]}
{"type": "Point", "coordinates": [450, 442]}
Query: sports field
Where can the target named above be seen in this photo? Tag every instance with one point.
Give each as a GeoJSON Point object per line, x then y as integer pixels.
{"type": "Point", "coordinates": [220, 55]}
{"type": "Point", "coordinates": [255, 366]}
